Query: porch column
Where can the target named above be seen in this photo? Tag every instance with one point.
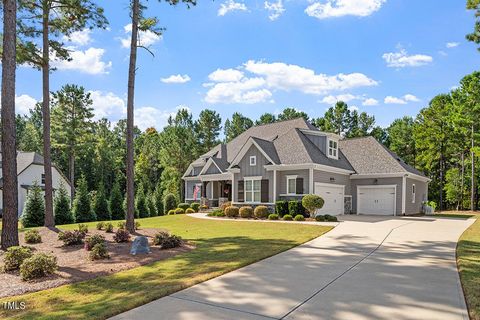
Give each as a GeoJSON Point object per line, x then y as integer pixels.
{"type": "Point", "coordinates": [310, 181]}
{"type": "Point", "coordinates": [274, 186]}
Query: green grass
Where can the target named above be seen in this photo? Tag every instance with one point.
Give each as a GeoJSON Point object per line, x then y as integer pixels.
{"type": "Point", "coordinates": [468, 260]}
{"type": "Point", "coordinates": [222, 246]}
{"type": "Point", "coordinates": [453, 215]}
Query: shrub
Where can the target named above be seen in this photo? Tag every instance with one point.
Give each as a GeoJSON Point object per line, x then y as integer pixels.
{"type": "Point", "coordinates": [179, 211]}
{"type": "Point", "coordinates": [82, 228]}
{"type": "Point", "coordinates": [100, 204]}
{"type": "Point", "coordinates": [109, 227]}
{"type": "Point", "coordinates": [273, 216]}
{"type": "Point", "coordinates": [137, 225]}
{"type": "Point", "coordinates": [158, 200]}
{"type": "Point", "coordinates": [121, 224]}
{"type": "Point", "coordinates": [32, 236]}
{"type": "Point", "coordinates": [34, 212]}
{"type": "Point", "coordinates": [91, 241]}
{"type": "Point", "coordinates": [232, 212]}
{"type": "Point", "coordinates": [330, 218]}
{"type": "Point", "coordinates": [216, 213]}
{"type": "Point", "coordinates": [203, 207]}
{"type": "Point", "coordinates": [141, 209]}
{"type": "Point", "coordinates": [195, 206]}
{"type": "Point", "coordinates": [432, 204]}
{"type": "Point", "coordinates": [287, 217]}
{"type": "Point", "coordinates": [225, 205]}
{"type": "Point", "coordinates": [261, 212]}
{"type": "Point", "coordinates": [99, 251]}
{"type": "Point", "coordinates": [82, 209]}
{"type": "Point", "coordinates": [37, 266]}
{"type": "Point", "coordinates": [121, 235]}
{"type": "Point", "coordinates": [166, 240]}
{"type": "Point", "coordinates": [71, 238]}
{"type": "Point", "coordinates": [15, 256]}
{"type": "Point", "coordinates": [320, 218]}
{"type": "Point", "coordinates": [189, 210]}
{"type": "Point", "coordinates": [100, 225]}
{"type": "Point", "coordinates": [171, 212]}
{"type": "Point", "coordinates": [299, 217]}
{"type": "Point", "coordinates": [312, 203]}
{"type": "Point", "coordinates": [170, 202]}
{"type": "Point", "coordinates": [116, 203]}
{"type": "Point", "coordinates": [281, 208]}
{"type": "Point", "coordinates": [246, 212]}
{"type": "Point", "coordinates": [61, 207]}
{"type": "Point", "coordinates": [295, 208]}
{"type": "Point", "coordinates": [184, 206]}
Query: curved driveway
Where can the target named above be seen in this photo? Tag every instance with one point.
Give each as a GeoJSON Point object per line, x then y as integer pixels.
{"type": "Point", "coordinates": [365, 268]}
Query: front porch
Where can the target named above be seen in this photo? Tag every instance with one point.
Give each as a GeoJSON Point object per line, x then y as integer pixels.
{"type": "Point", "coordinates": [213, 193]}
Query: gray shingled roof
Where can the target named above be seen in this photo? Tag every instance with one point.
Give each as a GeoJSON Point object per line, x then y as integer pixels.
{"type": "Point", "coordinates": [269, 148]}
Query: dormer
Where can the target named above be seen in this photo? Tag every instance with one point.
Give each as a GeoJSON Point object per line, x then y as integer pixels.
{"type": "Point", "coordinates": [325, 141]}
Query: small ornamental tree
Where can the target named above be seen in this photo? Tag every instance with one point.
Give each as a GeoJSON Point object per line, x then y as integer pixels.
{"type": "Point", "coordinates": [82, 210]}
{"type": "Point", "coordinates": [34, 211]}
{"type": "Point", "coordinates": [116, 203]}
{"type": "Point", "coordinates": [312, 203]}
{"type": "Point", "coordinates": [170, 202]}
{"type": "Point", "coordinates": [141, 209]}
{"type": "Point", "coordinates": [61, 208]}
{"type": "Point", "coordinates": [158, 200]}
{"type": "Point", "coordinates": [152, 210]}
{"type": "Point", "coordinates": [100, 205]}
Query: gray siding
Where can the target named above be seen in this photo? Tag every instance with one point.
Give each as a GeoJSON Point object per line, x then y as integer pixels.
{"type": "Point", "coordinates": [326, 177]}
{"type": "Point", "coordinates": [282, 180]}
{"type": "Point", "coordinates": [380, 181]}
{"type": "Point", "coordinates": [319, 141]}
{"type": "Point", "coordinates": [212, 169]}
{"type": "Point", "coordinates": [420, 196]}
{"type": "Point", "coordinates": [190, 185]}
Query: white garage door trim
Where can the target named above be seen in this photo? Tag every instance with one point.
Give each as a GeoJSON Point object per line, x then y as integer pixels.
{"type": "Point", "coordinates": [338, 186]}
{"type": "Point", "coordinates": [394, 186]}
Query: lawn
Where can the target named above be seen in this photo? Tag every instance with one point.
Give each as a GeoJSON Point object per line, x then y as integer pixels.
{"type": "Point", "coordinates": [222, 246]}
{"type": "Point", "coordinates": [468, 260]}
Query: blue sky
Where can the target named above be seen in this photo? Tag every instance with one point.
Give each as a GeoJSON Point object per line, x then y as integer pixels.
{"type": "Point", "coordinates": [385, 57]}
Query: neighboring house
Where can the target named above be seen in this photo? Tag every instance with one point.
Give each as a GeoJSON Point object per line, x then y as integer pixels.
{"type": "Point", "coordinates": [286, 160]}
{"type": "Point", "coordinates": [30, 170]}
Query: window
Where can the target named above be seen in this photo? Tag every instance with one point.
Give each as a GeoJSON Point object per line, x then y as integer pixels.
{"type": "Point", "coordinates": [252, 191]}
{"type": "Point", "coordinates": [43, 178]}
{"type": "Point", "coordinates": [291, 184]}
{"type": "Point", "coordinates": [332, 149]}
{"type": "Point", "coordinates": [413, 193]}
{"type": "Point", "coordinates": [253, 161]}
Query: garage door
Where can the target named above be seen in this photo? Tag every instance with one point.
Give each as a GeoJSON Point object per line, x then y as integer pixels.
{"type": "Point", "coordinates": [378, 200]}
{"type": "Point", "coordinates": [333, 197]}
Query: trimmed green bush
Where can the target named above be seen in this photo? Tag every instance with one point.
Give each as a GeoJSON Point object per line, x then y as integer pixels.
{"type": "Point", "coordinates": [100, 225]}
{"type": "Point", "coordinates": [171, 212]}
{"type": "Point", "coordinates": [82, 210]}
{"type": "Point", "coordinates": [312, 203]}
{"type": "Point", "coordinates": [295, 207]}
{"type": "Point", "coordinates": [320, 218]}
{"type": "Point", "coordinates": [99, 251]}
{"type": "Point", "coordinates": [15, 256]}
{"type": "Point", "coordinates": [34, 211]}
{"type": "Point", "coordinates": [273, 216]}
{"type": "Point", "coordinates": [82, 228]}
{"type": "Point", "coordinates": [203, 207]}
{"type": "Point", "coordinates": [287, 217]}
{"type": "Point", "coordinates": [39, 265]}
{"type": "Point", "coordinates": [141, 209]}
{"type": "Point", "coordinates": [121, 235]}
{"type": "Point", "coordinates": [216, 213]}
{"type": "Point", "coordinates": [61, 207]}
{"type": "Point", "coordinates": [299, 217]}
{"type": "Point", "coordinates": [71, 238]}
{"type": "Point", "coordinates": [184, 206]}
{"type": "Point", "coordinates": [166, 240]}
{"type": "Point", "coordinates": [261, 212]}
{"type": "Point", "coordinates": [100, 204]}
{"type": "Point", "coordinates": [116, 203]}
{"type": "Point", "coordinates": [170, 202]}
{"type": "Point", "coordinates": [225, 205]}
{"type": "Point", "coordinates": [179, 211]}
{"type": "Point", "coordinates": [246, 212]}
{"type": "Point", "coordinates": [91, 241]}
{"type": "Point", "coordinates": [281, 208]}
{"type": "Point", "coordinates": [32, 236]}
{"type": "Point", "coordinates": [232, 211]}
{"type": "Point", "coordinates": [189, 210]}
{"type": "Point", "coordinates": [195, 206]}
{"type": "Point", "coordinates": [330, 218]}
{"type": "Point", "coordinates": [158, 200]}
{"type": "Point", "coordinates": [108, 227]}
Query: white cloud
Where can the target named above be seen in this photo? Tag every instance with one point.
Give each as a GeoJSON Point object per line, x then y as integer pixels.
{"type": "Point", "coordinates": [176, 79]}
{"type": "Point", "coordinates": [145, 38]}
{"type": "Point", "coordinates": [339, 8]}
{"type": "Point", "coordinates": [402, 59]}
{"type": "Point", "coordinates": [341, 97]}
{"type": "Point", "coordinates": [403, 100]}
{"type": "Point", "coordinates": [370, 102]}
{"type": "Point", "coordinates": [231, 5]}
{"type": "Point", "coordinates": [108, 105]}
{"type": "Point", "coordinates": [353, 108]}
{"type": "Point", "coordinates": [81, 38]}
{"type": "Point", "coordinates": [276, 9]}
{"type": "Point", "coordinates": [452, 44]}
{"type": "Point", "coordinates": [233, 86]}
{"type": "Point", "coordinates": [23, 104]}
{"type": "Point", "coordinates": [88, 61]}
{"type": "Point", "coordinates": [146, 117]}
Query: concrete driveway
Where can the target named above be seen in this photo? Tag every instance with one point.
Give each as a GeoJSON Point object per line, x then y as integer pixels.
{"type": "Point", "coordinates": [366, 268]}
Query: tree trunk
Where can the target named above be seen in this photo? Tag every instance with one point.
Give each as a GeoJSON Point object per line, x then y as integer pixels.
{"type": "Point", "coordinates": [9, 152]}
{"type": "Point", "coordinates": [71, 160]}
{"type": "Point", "coordinates": [463, 180]}
{"type": "Point", "coordinates": [130, 224]}
{"type": "Point", "coordinates": [441, 182]}
{"type": "Point", "coordinates": [49, 219]}
{"type": "Point", "coordinates": [472, 199]}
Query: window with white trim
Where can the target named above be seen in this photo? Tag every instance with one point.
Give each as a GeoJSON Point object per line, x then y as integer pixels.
{"type": "Point", "coordinates": [253, 161]}
{"type": "Point", "coordinates": [252, 190]}
{"type": "Point", "coordinates": [291, 184]}
{"type": "Point", "coordinates": [413, 193]}
{"type": "Point", "coordinates": [332, 149]}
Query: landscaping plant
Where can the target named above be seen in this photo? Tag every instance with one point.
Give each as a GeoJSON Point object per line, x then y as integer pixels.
{"type": "Point", "coordinates": [195, 206]}
{"type": "Point", "coordinates": [39, 265]}
{"type": "Point", "coordinates": [170, 202]}
{"type": "Point", "coordinates": [246, 212]}
{"type": "Point", "coordinates": [15, 256]}
{"type": "Point", "coordinates": [108, 227]}
{"type": "Point", "coordinates": [32, 236]}
{"type": "Point", "coordinates": [287, 217]}
{"type": "Point", "coordinates": [179, 211]}
{"type": "Point", "coordinates": [83, 227]}
{"type": "Point", "coordinates": [312, 203]}
{"type": "Point", "coordinates": [71, 238]}
{"type": "Point", "coordinates": [281, 208]}
{"type": "Point", "coordinates": [91, 241]}
{"type": "Point", "coordinates": [299, 217]}
{"type": "Point", "coordinates": [171, 212]}
{"type": "Point", "coordinates": [100, 204]}
{"type": "Point", "coordinates": [34, 211]}
{"type": "Point", "coordinates": [295, 207]}
{"type": "Point", "coordinates": [116, 203]}
{"type": "Point", "coordinates": [141, 209]}
{"type": "Point", "coordinates": [225, 205]}
{"type": "Point", "coordinates": [232, 212]}
{"type": "Point", "coordinates": [100, 225]}
{"type": "Point", "coordinates": [82, 210]}
{"type": "Point", "coordinates": [137, 225]}
{"type": "Point", "coordinates": [261, 212]}
{"type": "Point", "coordinates": [99, 251]}
{"type": "Point", "coordinates": [184, 206]}
{"type": "Point", "coordinates": [121, 235]}
{"type": "Point", "coordinates": [61, 207]}
{"type": "Point", "coordinates": [167, 241]}
{"type": "Point", "coordinates": [189, 210]}
{"type": "Point", "coordinates": [273, 216]}
{"type": "Point", "coordinates": [121, 224]}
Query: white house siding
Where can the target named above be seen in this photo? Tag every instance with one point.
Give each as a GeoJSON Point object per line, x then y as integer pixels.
{"type": "Point", "coordinates": [378, 181]}
{"type": "Point", "coordinates": [420, 196]}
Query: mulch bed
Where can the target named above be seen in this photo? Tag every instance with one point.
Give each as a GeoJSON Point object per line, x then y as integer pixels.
{"type": "Point", "coordinates": [74, 265]}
